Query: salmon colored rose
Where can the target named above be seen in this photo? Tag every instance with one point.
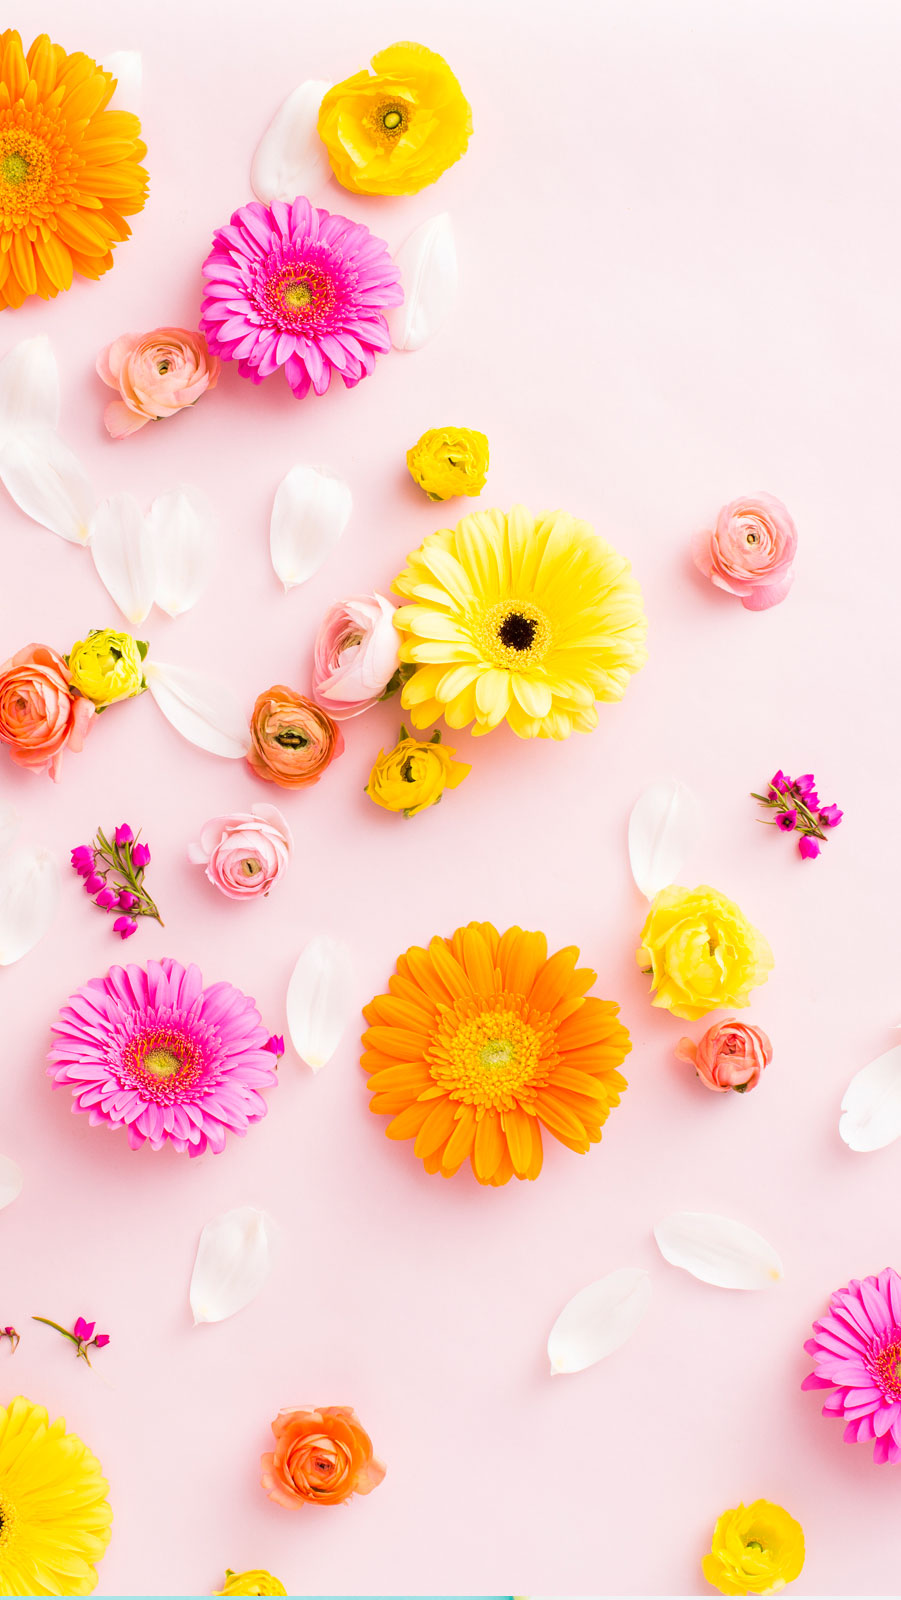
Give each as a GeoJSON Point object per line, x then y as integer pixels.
{"type": "Point", "coordinates": [750, 551]}
{"type": "Point", "coordinates": [320, 1458]}
{"type": "Point", "coordinates": [156, 375]}
{"type": "Point", "coordinates": [39, 715]}
{"type": "Point", "coordinates": [731, 1055]}
{"type": "Point", "coordinates": [292, 740]}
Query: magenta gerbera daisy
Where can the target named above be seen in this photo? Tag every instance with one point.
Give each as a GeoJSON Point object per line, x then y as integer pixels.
{"type": "Point", "coordinates": [857, 1353]}
{"type": "Point", "coordinates": [150, 1049]}
{"type": "Point", "coordinates": [295, 287]}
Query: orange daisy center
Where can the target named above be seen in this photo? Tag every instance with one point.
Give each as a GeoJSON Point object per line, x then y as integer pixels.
{"type": "Point", "coordinates": [492, 1054]}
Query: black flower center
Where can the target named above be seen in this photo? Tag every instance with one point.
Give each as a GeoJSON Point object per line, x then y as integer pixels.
{"type": "Point", "coordinates": [292, 739]}
{"type": "Point", "coordinates": [517, 632]}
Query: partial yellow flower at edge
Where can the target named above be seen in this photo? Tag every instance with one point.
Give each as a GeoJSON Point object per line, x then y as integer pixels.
{"type": "Point", "coordinates": [107, 666]}
{"type": "Point", "coordinates": [449, 461]}
{"type": "Point", "coordinates": [255, 1581]}
{"type": "Point", "coordinates": [756, 1549]}
{"type": "Point", "coordinates": [701, 952]}
{"type": "Point", "coordinates": [414, 775]}
{"type": "Point", "coordinates": [396, 131]}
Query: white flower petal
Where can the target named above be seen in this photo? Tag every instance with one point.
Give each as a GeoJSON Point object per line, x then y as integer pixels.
{"type": "Point", "coordinates": [662, 829]}
{"type": "Point", "coordinates": [124, 555]}
{"type": "Point", "coordinates": [871, 1108]}
{"type": "Point", "coordinates": [320, 1000]}
{"type": "Point", "coordinates": [291, 159]}
{"type": "Point", "coordinates": [203, 710]}
{"type": "Point", "coordinates": [598, 1319]}
{"type": "Point", "coordinates": [29, 387]}
{"type": "Point", "coordinates": [428, 270]}
{"type": "Point", "coordinates": [10, 823]}
{"type": "Point", "coordinates": [48, 482]}
{"type": "Point", "coordinates": [10, 1181]}
{"type": "Point", "coordinates": [127, 68]}
{"type": "Point", "coordinates": [233, 1261]}
{"type": "Point", "coordinates": [309, 515]}
{"type": "Point", "coordinates": [718, 1250]}
{"type": "Point", "coordinates": [181, 537]}
{"type": "Point", "coordinates": [29, 895]}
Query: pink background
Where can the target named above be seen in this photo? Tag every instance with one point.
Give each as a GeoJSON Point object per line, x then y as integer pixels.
{"type": "Point", "coordinates": [679, 241]}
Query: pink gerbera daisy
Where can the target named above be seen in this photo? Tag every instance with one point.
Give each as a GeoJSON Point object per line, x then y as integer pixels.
{"type": "Point", "coordinates": [154, 1050]}
{"type": "Point", "coordinates": [295, 287]}
{"type": "Point", "coordinates": [857, 1352]}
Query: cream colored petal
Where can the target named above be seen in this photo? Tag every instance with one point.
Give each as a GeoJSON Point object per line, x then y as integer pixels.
{"type": "Point", "coordinates": [427, 261]}
{"type": "Point", "coordinates": [124, 555]}
{"type": "Point", "coordinates": [598, 1319]}
{"type": "Point", "coordinates": [662, 830]}
{"type": "Point", "coordinates": [309, 515]}
{"type": "Point", "coordinates": [203, 710]}
{"type": "Point", "coordinates": [48, 482]}
{"type": "Point", "coordinates": [871, 1108]}
{"type": "Point", "coordinates": [29, 387]}
{"type": "Point", "coordinates": [180, 527]}
{"type": "Point", "coordinates": [291, 159]}
{"type": "Point", "coordinates": [718, 1250]}
{"type": "Point", "coordinates": [320, 1000]}
{"type": "Point", "coordinates": [29, 897]}
{"type": "Point", "coordinates": [233, 1262]}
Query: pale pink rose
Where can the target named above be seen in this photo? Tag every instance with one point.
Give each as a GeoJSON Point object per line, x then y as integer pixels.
{"type": "Point", "coordinates": [156, 375]}
{"type": "Point", "coordinates": [750, 551]}
{"type": "Point", "coordinates": [244, 853]}
{"type": "Point", "coordinates": [355, 655]}
{"type": "Point", "coordinates": [730, 1055]}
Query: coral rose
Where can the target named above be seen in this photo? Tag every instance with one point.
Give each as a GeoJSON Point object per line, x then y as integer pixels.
{"type": "Point", "coordinates": [156, 375]}
{"type": "Point", "coordinates": [730, 1055]}
{"type": "Point", "coordinates": [39, 714]}
{"type": "Point", "coordinates": [750, 551]}
{"type": "Point", "coordinates": [244, 853]}
{"type": "Point", "coordinates": [701, 952]}
{"type": "Point", "coordinates": [355, 655]}
{"type": "Point", "coordinates": [321, 1457]}
{"type": "Point", "coordinates": [292, 740]}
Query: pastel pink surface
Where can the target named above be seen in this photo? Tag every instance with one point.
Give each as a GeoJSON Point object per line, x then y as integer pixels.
{"type": "Point", "coordinates": [678, 254]}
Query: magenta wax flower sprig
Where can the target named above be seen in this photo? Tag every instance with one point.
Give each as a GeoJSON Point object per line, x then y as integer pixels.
{"type": "Point", "coordinates": [113, 876]}
{"type": "Point", "coordinates": [12, 1336]}
{"type": "Point", "coordinates": [82, 1336]}
{"type": "Point", "coordinates": [800, 811]}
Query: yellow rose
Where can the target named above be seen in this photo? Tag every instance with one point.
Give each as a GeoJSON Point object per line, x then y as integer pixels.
{"type": "Point", "coordinates": [108, 666]}
{"type": "Point", "coordinates": [756, 1549]}
{"type": "Point", "coordinates": [449, 461]}
{"type": "Point", "coordinates": [701, 952]}
{"type": "Point", "coordinates": [255, 1582]}
{"type": "Point", "coordinates": [413, 776]}
{"type": "Point", "coordinates": [397, 131]}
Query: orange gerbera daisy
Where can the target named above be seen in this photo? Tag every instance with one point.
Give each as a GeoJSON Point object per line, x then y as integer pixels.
{"type": "Point", "coordinates": [483, 1040]}
{"type": "Point", "coordinates": [69, 172]}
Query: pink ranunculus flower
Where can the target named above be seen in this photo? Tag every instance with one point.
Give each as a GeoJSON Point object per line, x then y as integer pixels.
{"type": "Point", "coordinates": [750, 551]}
{"type": "Point", "coordinates": [730, 1055]}
{"type": "Point", "coordinates": [156, 374]}
{"type": "Point", "coordinates": [355, 655]}
{"type": "Point", "coordinates": [244, 853]}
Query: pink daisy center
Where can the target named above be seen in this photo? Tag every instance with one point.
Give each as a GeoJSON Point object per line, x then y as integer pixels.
{"type": "Point", "coordinates": [165, 1061]}
{"type": "Point", "coordinates": [298, 296]}
{"type": "Point", "coordinates": [885, 1365]}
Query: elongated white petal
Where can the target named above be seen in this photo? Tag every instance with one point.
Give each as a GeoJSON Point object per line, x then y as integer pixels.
{"type": "Point", "coordinates": [320, 1000]}
{"type": "Point", "coordinates": [309, 515]}
{"type": "Point", "coordinates": [233, 1261]}
{"type": "Point", "coordinates": [127, 68]}
{"type": "Point", "coordinates": [29, 896]}
{"type": "Point", "coordinates": [29, 387]}
{"type": "Point", "coordinates": [718, 1250]}
{"type": "Point", "coordinates": [662, 829]}
{"type": "Point", "coordinates": [124, 555]}
{"type": "Point", "coordinates": [598, 1319]}
{"type": "Point", "coordinates": [48, 482]}
{"type": "Point", "coordinates": [871, 1108]}
{"type": "Point", "coordinates": [181, 538]}
{"type": "Point", "coordinates": [428, 270]}
{"type": "Point", "coordinates": [203, 710]}
{"type": "Point", "coordinates": [291, 159]}
{"type": "Point", "coordinates": [10, 822]}
{"type": "Point", "coordinates": [10, 1181]}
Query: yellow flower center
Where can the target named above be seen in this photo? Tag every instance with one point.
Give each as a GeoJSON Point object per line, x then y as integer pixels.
{"type": "Point", "coordinates": [885, 1365]}
{"type": "Point", "coordinates": [163, 368]}
{"type": "Point", "coordinates": [250, 867]}
{"type": "Point", "coordinates": [14, 168]}
{"type": "Point", "coordinates": [26, 169]}
{"type": "Point", "coordinates": [162, 1063]}
{"type": "Point", "coordinates": [297, 294]}
{"type": "Point", "coordinates": [495, 1054]}
{"type": "Point", "coordinates": [391, 120]}
{"type": "Point", "coordinates": [515, 634]}
{"type": "Point", "coordinates": [8, 1520]}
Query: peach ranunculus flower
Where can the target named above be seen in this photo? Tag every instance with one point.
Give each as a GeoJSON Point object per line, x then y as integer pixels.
{"type": "Point", "coordinates": [244, 853]}
{"type": "Point", "coordinates": [750, 551]}
{"type": "Point", "coordinates": [730, 1055]}
{"type": "Point", "coordinates": [156, 374]}
{"type": "Point", "coordinates": [292, 740]}
{"type": "Point", "coordinates": [39, 714]}
{"type": "Point", "coordinates": [355, 655]}
{"type": "Point", "coordinates": [321, 1457]}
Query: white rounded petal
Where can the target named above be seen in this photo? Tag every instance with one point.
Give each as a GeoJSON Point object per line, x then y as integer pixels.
{"type": "Point", "coordinates": [320, 1000]}
{"type": "Point", "coordinates": [718, 1250]}
{"type": "Point", "coordinates": [598, 1319]}
{"type": "Point", "coordinates": [203, 710]}
{"type": "Point", "coordinates": [11, 1181]}
{"type": "Point", "coordinates": [291, 159]}
{"type": "Point", "coordinates": [871, 1108]}
{"type": "Point", "coordinates": [427, 262]}
{"type": "Point", "coordinates": [48, 482]}
{"type": "Point", "coordinates": [127, 68]}
{"type": "Point", "coordinates": [29, 387]}
{"type": "Point", "coordinates": [309, 515]}
{"type": "Point", "coordinates": [180, 530]}
{"type": "Point", "coordinates": [29, 896]}
{"type": "Point", "coordinates": [234, 1259]}
{"type": "Point", "coordinates": [124, 555]}
{"type": "Point", "coordinates": [662, 829]}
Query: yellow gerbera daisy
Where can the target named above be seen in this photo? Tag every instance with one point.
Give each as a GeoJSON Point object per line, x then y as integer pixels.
{"type": "Point", "coordinates": [484, 1039]}
{"type": "Point", "coordinates": [54, 1515]}
{"type": "Point", "coordinates": [513, 616]}
{"type": "Point", "coordinates": [69, 172]}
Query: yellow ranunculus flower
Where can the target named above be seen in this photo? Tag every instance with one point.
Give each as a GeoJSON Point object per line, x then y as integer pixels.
{"type": "Point", "coordinates": [108, 666]}
{"type": "Point", "coordinates": [449, 461]}
{"type": "Point", "coordinates": [756, 1549]}
{"type": "Point", "coordinates": [414, 775]}
{"type": "Point", "coordinates": [701, 952]}
{"type": "Point", "coordinates": [255, 1582]}
{"type": "Point", "coordinates": [397, 131]}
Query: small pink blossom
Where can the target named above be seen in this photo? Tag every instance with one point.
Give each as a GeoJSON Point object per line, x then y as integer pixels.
{"type": "Point", "coordinates": [730, 1055]}
{"type": "Point", "coordinates": [125, 927]}
{"type": "Point", "coordinates": [124, 834]}
{"type": "Point", "coordinates": [786, 820]}
{"type": "Point", "coordinates": [93, 883]}
{"type": "Point", "coordinates": [156, 375]}
{"type": "Point", "coordinates": [244, 853]}
{"type": "Point", "coordinates": [831, 816]}
{"type": "Point", "coordinates": [140, 855]}
{"type": "Point", "coordinates": [809, 847]}
{"type": "Point", "coordinates": [276, 1043]}
{"type": "Point", "coordinates": [355, 655]}
{"type": "Point", "coordinates": [750, 551]}
{"type": "Point", "coordinates": [105, 899]}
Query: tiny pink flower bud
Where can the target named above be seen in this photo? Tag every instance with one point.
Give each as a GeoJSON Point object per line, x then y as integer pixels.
{"type": "Point", "coordinates": [125, 927]}
{"type": "Point", "coordinates": [82, 859]}
{"type": "Point", "coordinates": [105, 899]}
{"type": "Point", "coordinates": [809, 847]}
{"type": "Point", "coordinates": [84, 1330]}
{"type": "Point", "coordinates": [140, 855]}
{"type": "Point", "coordinates": [276, 1044]}
{"type": "Point", "coordinates": [101, 1340]}
{"type": "Point", "coordinates": [124, 834]}
{"type": "Point", "coordinates": [127, 899]}
{"type": "Point", "coordinates": [93, 883]}
{"type": "Point", "coordinates": [831, 816]}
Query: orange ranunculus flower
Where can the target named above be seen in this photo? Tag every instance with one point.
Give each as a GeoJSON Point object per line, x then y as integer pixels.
{"type": "Point", "coordinates": [39, 714]}
{"type": "Point", "coordinates": [292, 740]}
{"type": "Point", "coordinates": [320, 1457]}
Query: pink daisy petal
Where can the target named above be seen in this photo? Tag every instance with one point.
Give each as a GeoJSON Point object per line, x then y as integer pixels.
{"type": "Point", "coordinates": [856, 1350]}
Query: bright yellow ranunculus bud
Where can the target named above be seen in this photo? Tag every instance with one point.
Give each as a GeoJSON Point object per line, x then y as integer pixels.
{"type": "Point", "coordinates": [414, 775]}
{"type": "Point", "coordinates": [395, 130]}
{"type": "Point", "coordinates": [756, 1549]}
{"type": "Point", "coordinates": [108, 666]}
{"type": "Point", "coordinates": [254, 1582]}
{"type": "Point", "coordinates": [449, 461]}
{"type": "Point", "coordinates": [701, 952]}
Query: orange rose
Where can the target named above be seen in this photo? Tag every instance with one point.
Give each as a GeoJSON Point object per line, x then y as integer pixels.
{"type": "Point", "coordinates": [39, 714]}
{"type": "Point", "coordinates": [292, 741]}
{"type": "Point", "coordinates": [320, 1458]}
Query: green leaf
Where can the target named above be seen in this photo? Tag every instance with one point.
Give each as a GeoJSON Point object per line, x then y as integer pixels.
{"type": "Point", "coordinates": [143, 647]}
